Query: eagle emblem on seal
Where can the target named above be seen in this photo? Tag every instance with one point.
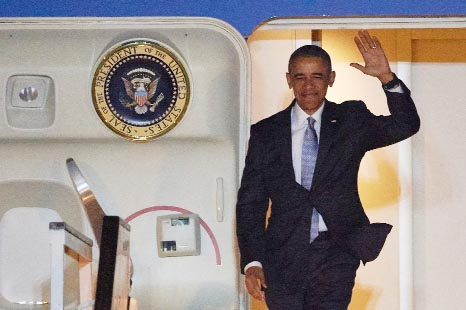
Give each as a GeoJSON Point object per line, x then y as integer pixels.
{"type": "Point", "coordinates": [141, 87]}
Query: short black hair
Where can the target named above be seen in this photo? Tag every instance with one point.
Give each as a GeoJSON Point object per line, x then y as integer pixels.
{"type": "Point", "coordinates": [311, 51]}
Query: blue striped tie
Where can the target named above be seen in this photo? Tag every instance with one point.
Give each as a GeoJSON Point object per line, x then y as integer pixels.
{"type": "Point", "coordinates": [308, 163]}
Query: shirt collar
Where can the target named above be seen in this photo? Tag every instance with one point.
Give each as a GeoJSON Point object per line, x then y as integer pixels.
{"type": "Point", "coordinates": [299, 117]}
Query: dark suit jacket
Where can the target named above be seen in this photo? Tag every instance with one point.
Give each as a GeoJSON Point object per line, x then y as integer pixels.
{"type": "Point", "coordinates": [348, 131]}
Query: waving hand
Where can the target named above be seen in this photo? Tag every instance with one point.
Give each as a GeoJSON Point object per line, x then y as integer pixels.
{"type": "Point", "coordinates": [376, 63]}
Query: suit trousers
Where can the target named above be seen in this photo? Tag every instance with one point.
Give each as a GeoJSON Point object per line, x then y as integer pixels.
{"type": "Point", "coordinates": [329, 280]}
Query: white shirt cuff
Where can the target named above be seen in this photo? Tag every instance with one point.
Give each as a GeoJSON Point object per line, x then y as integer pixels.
{"type": "Point", "coordinates": [397, 89]}
{"type": "Point", "coordinates": [252, 264]}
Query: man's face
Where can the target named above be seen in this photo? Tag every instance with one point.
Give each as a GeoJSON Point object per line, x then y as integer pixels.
{"type": "Point", "coordinates": [309, 78]}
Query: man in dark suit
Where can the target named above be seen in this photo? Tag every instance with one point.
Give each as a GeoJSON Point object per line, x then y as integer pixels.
{"type": "Point", "coordinates": [284, 258]}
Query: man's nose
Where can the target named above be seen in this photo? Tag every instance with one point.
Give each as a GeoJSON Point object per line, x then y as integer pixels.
{"type": "Point", "coordinates": [308, 83]}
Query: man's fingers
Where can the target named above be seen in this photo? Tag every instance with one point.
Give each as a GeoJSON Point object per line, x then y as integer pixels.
{"type": "Point", "coordinates": [377, 42]}
{"type": "Point", "coordinates": [254, 288]}
{"type": "Point", "coordinates": [367, 40]}
{"type": "Point", "coordinates": [359, 45]}
{"type": "Point", "coordinates": [262, 279]}
{"type": "Point", "coordinates": [358, 66]}
{"type": "Point", "coordinates": [255, 281]}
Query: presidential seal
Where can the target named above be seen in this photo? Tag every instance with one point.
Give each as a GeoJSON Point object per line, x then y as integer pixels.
{"type": "Point", "coordinates": [141, 89]}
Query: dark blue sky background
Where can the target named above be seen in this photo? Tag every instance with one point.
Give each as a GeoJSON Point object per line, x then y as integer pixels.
{"type": "Point", "coordinates": [243, 15]}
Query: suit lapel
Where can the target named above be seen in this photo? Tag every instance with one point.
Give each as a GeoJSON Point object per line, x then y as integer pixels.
{"type": "Point", "coordinates": [328, 134]}
{"type": "Point", "coordinates": [283, 140]}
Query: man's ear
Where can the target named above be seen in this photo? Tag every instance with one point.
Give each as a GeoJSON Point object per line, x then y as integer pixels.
{"type": "Point", "coordinates": [331, 78]}
{"type": "Point", "coordinates": [288, 79]}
